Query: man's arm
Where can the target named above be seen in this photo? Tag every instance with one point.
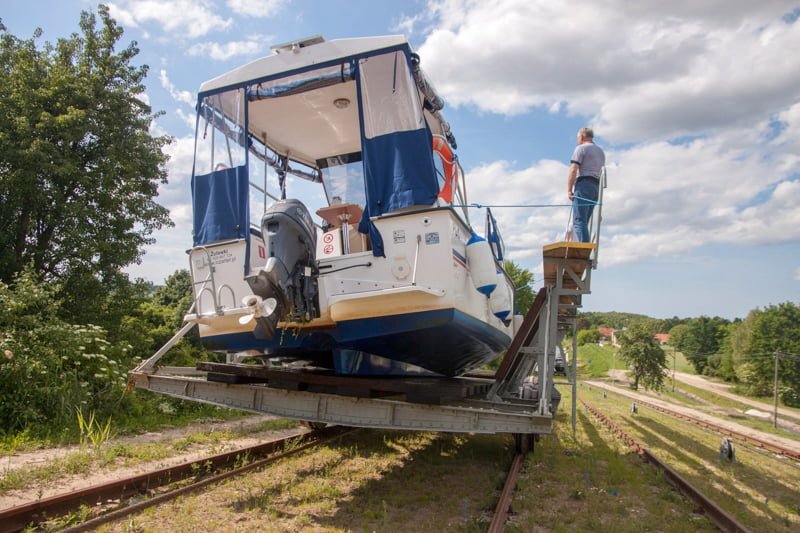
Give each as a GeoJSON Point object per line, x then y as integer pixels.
{"type": "Point", "coordinates": [572, 175]}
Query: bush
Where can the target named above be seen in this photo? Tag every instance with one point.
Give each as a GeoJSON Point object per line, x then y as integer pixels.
{"type": "Point", "coordinates": [49, 367]}
{"type": "Point", "coordinates": [588, 336]}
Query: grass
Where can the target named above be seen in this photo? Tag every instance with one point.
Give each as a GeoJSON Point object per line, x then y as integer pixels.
{"type": "Point", "coordinates": [375, 480]}
{"type": "Point", "coordinates": [588, 482]}
{"type": "Point", "coordinates": [75, 463]}
{"type": "Point", "coordinates": [595, 361]}
{"type": "Point", "coordinates": [681, 363]}
{"type": "Point", "coordinates": [721, 401]}
{"type": "Point", "coordinates": [115, 455]}
{"type": "Point", "coordinates": [163, 416]}
{"type": "Point", "coordinates": [759, 489]}
{"type": "Point", "coordinates": [372, 480]}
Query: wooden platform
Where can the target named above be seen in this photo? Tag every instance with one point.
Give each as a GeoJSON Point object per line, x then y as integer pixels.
{"type": "Point", "coordinates": [577, 256]}
{"type": "Point", "coordinates": [429, 390]}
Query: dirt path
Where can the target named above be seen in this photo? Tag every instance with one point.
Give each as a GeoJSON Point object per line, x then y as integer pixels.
{"type": "Point", "coordinates": [11, 462]}
{"type": "Point", "coordinates": [722, 389]}
{"type": "Point", "coordinates": [733, 426]}
{"type": "Point", "coordinates": [97, 475]}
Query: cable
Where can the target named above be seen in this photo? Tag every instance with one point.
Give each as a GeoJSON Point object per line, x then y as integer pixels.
{"type": "Point", "coordinates": [498, 206]}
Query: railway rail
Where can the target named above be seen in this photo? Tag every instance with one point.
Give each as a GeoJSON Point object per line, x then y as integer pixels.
{"type": "Point", "coordinates": [500, 516]}
{"type": "Point", "coordinates": [22, 516]}
{"type": "Point", "coordinates": [754, 441]}
{"type": "Point", "coordinates": [719, 516]}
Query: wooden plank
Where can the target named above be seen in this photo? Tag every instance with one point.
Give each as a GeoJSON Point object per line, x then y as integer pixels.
{"type": "Point", "coordinates": [569, 250]}
{"type": "Point", "coordinates": [577, 255]}
{"type": "Point", "coordinates": [422, 390]}
{"type": "Point", "coordinates": [523, 336]}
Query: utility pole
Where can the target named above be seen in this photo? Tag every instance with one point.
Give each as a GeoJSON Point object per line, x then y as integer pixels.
{"type": "Point", "coordinates": [613, 358]}
{"type": "Point", "coordinates": [775, 393]}
{"type": "Point", "coordinates": [673, 370]}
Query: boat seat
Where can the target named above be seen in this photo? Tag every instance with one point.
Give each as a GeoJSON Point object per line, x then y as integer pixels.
{"type": "Point", "coordinates": [359, 242]}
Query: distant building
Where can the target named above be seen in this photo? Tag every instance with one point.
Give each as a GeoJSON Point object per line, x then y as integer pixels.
{"type": "Point", "coordinates": [608, 335]}
{"type": "Point", "coordinates": [662, 338]}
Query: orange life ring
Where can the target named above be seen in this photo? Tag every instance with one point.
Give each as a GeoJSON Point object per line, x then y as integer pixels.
{"type": "Point", "coordinates": [441, 147]}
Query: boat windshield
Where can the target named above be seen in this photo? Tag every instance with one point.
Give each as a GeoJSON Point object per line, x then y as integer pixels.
{"type": "Point", "coordinates": [344, 181]}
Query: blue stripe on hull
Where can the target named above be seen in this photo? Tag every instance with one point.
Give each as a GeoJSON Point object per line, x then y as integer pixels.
{"type": "Point", "coordinates": [445, 341]}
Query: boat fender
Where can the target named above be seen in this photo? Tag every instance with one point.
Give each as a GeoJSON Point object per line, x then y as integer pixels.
{"type": "Point", "coordinates": [481, 264]}
{"type": "Point", "coordinates": [500, 302]}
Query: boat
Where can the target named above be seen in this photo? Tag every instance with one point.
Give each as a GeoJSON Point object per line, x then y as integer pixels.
{"type": "Point", "coordinates": [362, 258]}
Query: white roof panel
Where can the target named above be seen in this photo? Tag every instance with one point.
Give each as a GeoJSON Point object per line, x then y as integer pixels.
{"type": "Point", "coordinates": [302, 57]}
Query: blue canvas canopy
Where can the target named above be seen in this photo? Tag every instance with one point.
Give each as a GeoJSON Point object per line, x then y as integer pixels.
{"type": "Point", "coordinates": [396, 143]}
{"type": "Point", "coordinates": [297, 104]}
{"type": "Point", "coordinates": [220, 206]}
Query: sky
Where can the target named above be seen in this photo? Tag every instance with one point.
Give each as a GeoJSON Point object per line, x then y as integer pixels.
{"type": "Point", "coordinates": [695, 103]}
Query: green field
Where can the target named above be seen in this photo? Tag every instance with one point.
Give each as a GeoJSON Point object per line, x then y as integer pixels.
{"type": "Point", "coordinates": [594, 361]}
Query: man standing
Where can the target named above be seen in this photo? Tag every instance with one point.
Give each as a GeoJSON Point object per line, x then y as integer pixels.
{"type": "Point", "coordinates": [583, 182]}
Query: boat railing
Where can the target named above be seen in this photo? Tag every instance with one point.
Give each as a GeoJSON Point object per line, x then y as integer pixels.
{"type": "Point", "coordinates": [597, 217]}
{"type": "Point", "coordinates": [203, 283]}
{"type": "Point", "coordinates": [595, 221]}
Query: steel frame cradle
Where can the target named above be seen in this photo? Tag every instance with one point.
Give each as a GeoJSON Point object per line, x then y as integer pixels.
{"type": "Point", "coordinates": [475, 417]}
{"type": "Point", "coordinates": [502, 412]}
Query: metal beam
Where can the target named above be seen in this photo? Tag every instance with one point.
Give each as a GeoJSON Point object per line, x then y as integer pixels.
{"type": "Point", "coordinates": [350, 411]}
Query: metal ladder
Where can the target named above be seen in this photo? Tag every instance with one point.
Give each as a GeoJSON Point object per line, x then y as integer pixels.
{"type": "Point", "coordinates": [568, 272]}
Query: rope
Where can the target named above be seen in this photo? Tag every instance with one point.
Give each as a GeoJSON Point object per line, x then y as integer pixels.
{"type": "Point", "coordinates": [481, 206]}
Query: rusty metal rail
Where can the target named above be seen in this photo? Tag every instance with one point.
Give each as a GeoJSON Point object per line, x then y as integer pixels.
{"type": "Point", "coordinates": [719, 516]}
{"type": "Point", "coordinates": [755, 441]}
{"type": "Point", "coordinates": [500, 516]}
{"type": "Point", "coordinates": [34, 513]}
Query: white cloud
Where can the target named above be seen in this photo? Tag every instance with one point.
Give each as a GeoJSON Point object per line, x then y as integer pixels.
{"type": "Point", "coordinates": [260, 8]}
{"type": "Point", "coordinates": [797, 274]}
{"type": "Point", "coordinates": [168, 252]}
{"type": "Point", "coordinates": [181, 96]}
{"type": "Point", "coordinates": [179, 18]}
{"type": "Point", "coordinates": [224, 51]}
{"type": "Point", "coordinates": [653, 69]}
{"type": "Point", "coordinates": [663, 199]}
{"type": "Point", "coordinates": [407, 23]}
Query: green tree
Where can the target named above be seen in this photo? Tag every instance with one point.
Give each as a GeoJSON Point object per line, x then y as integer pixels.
{"type": "Point", "coordinates": [151, 324]}
{"type": "Point", "coordinates": [703, 338]}
{"type": "Point", "coordinates": [588, 336]}
{"type": "Point", "coordinates": [523, 282]}
{"type": "Point", "coordinates": [775, 328]}
{"type": "Point", "coordinates": [79, 169]}
{"type": "Point", "coordinates": [645, 357]}
{"type": "Point", "coordinates": [668, 323]}
{"type": "Point", "coordinates": [677, 335]}
{"type": "Point", "coordinates": [611, 319]}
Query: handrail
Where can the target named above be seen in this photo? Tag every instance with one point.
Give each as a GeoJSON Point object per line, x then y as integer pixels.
{"type": "Point", "coordinates": [599, 214]}
{"type": "Point", "coordinates": [210, 278]}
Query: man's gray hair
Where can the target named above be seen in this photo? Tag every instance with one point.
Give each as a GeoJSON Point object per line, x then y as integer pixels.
{"type": "Point", "coordinates": [586, 133]}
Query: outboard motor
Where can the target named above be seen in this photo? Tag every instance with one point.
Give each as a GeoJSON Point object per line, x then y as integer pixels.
{"type": "Point", "coordinates": [289, 275]}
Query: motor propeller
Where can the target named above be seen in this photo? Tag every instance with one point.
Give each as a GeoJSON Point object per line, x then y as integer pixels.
{"type": "Point", "coordinates": [259, 308]}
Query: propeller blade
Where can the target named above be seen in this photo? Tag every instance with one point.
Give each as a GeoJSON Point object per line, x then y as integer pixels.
{"type": "Point", "coordinates": [268, 306]}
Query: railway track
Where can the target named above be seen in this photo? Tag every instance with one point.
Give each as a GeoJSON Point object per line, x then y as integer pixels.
{"type": "Point", "coordinates": [754, 441]}
{"type": "Point", "coordinates": [523, 445]}
{"type": "Point", "coordinates": [500, 516]}
{"type": "Point", "coordinates": [216, 468]}
{"type": "Point", "coordinates": [719, 516]}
